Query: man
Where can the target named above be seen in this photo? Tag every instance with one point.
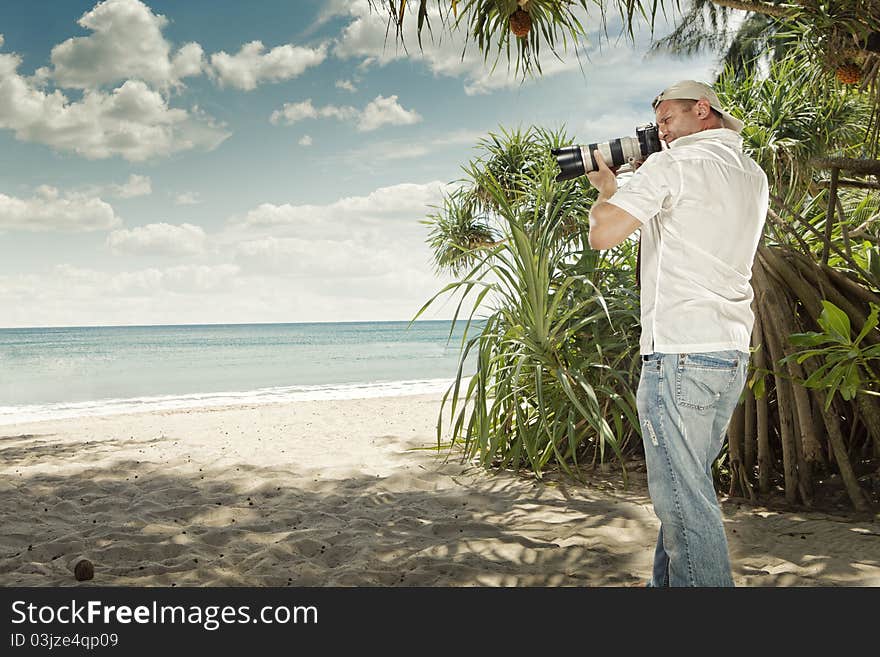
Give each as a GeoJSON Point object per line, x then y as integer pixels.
{"type": "Point", "coordinates": [700, 205]}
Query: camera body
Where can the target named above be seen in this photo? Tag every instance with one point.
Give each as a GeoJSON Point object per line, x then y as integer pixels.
{"type": "Point", "coordinates": [578, 160]}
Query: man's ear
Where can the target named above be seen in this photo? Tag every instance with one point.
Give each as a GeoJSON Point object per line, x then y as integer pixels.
{"type": "Point", "coordinates": [704, 109]}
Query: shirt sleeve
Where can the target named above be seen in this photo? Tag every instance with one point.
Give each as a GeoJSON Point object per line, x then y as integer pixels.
{"type": "Point", "coordinates": [646, 192]}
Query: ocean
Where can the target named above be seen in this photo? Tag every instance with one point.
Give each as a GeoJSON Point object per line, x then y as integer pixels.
{"type": "Point", "coordinates": [55, 373]}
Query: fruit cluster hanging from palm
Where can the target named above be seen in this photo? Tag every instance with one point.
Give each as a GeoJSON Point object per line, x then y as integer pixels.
{"type": "Point", "coordinates": [516, 28]}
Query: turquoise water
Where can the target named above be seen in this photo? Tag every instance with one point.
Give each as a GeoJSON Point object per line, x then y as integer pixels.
{"type": "Point", "coordinates": [58, 372]}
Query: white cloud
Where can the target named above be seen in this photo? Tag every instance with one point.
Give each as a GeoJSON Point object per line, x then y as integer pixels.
{"type": "Point", "coordinates": [136, 186]}
{"type": "Point", "coordinates": [1, 40]}
{"type": "Point", "coordinates": [149, 282]}
{"type": "Point", "coordinates": [402, 149]}
{"type": "Point", "coordinates": [303, 258]}
{"type": "Point", "coordinates": [49, 211]}
{"type": "Point", "coordinates": [361, 257]}
{"type": "Point", "coordinates": [187, 198]}
{"type": "Point", "coordinates": [200, 278]}
{"type": "Point", "coordinates": [158, 239]}
{"type": "Point", "coordinates": [469, 137]}
{"type": "Point", "coordinates": [390, 151]}
{"type": "Point", "coordinates": [305, 140]}
{"type": "Point", "coordinates": [386, 111]}
{"type": "Point", "coordinates": [290, 113]}
{"type": "Point", "coordinates": [347, 85]}
{"type": "Point", "coordinates": [125, 43]}
{"type": "Point", "coordinates": [400, 205]}
{"type": "Point", "coordinates": [380, 111]}
{"type": "Point", "coordinates": [189, 61]}
{"type": "Point", "coordinates": [222, 293]}
{"type": "Point", "coordinates": [68, 295]}
{"type": "Point", "coordinates": [342, 257]}
{"type": "Point", "coordinates": [333, 8]}
{"type": "Point", "coordinates": [132, 121]}
{"type": "Point", "coordinates": [341, 246]}
{"type": "Point", "coordinates": [107, 56]}
{"type": "Point", "coordinates": [250, 65]}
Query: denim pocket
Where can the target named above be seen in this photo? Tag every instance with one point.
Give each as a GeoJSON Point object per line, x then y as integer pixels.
{"type": "Point", "coordinates": [702, 379]}
{"type": "Point", "coordinates": [651, 363]}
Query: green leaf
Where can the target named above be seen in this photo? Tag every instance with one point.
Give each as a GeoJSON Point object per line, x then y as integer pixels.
{"type": "Point", "coordinates": [758, 385]}
{"type": "Point", "coordinates": [821, 377]}
{"type": "Point", "coordinates": [851, 382]}
{"type": "Point", "coordinates": [835, 322]}
{"type": "Point", "coordinates": [870, 323]}
{"type": "Point", "coordinates": [810, 339]}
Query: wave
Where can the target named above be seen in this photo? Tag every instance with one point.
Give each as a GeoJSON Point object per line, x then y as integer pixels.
{"type": "Point", "coordinates": [65, 410]}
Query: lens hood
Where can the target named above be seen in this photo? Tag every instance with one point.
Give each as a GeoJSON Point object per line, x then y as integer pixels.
{"type": "Point", "coordinates": [571, 162]}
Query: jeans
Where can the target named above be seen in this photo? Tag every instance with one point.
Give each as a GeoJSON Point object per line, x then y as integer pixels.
{"type": "Point", "coordinates": [685, 402]}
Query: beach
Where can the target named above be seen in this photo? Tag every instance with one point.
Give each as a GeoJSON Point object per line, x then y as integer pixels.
{"type": "Point", "coordinates": [343, 493]}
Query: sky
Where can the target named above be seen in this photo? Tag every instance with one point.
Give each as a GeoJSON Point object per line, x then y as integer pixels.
{"type": "Point", "coordinates": [203, 162]}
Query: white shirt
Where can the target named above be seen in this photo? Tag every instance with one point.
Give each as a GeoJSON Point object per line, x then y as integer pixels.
{"type": "Point", "coordinates": [702, 205]}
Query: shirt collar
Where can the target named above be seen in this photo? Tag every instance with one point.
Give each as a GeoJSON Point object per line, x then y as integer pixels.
{"type": "Point", "coordinates": [725, 135]}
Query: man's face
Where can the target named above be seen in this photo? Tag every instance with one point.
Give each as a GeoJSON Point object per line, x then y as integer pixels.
{"type": "Point", "coordinates": [675, 119]}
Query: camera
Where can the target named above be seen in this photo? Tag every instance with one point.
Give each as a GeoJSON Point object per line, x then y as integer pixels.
{"type": "Point", "coordinates": [578, 160]}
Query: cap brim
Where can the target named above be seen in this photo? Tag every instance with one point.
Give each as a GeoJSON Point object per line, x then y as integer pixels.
{"type": "Point", "coordinates": [731, 122]}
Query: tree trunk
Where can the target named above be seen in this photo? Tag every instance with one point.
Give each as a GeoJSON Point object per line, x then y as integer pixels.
{"type": "Point", "coordinates": [735, 451]}
{"type": "Point", "coordinates": [793, 279]}
{"type": "Point", "coordinates": [804, 466]}
{"type": "Point", "coordinates": [849, 287]}
{"type": "Point", "coordinates": [749, 434]}
{"type": "Point", "coordinates": [870, 411]}
{"type": "Point", "coordinates": [827, 289]}
{"type": "Point", "coordinates": [835, 437]}
{"type": "Point", "coordinates": [810, 439]}
{"type": "Point", "coordinates": [762, 423]}
{"type": "Point", "coordinates": [786, 430]}
{"type": "Point", "coordinates": [772, 312]}
{"type": "Point", "coordinates": [819, 426]}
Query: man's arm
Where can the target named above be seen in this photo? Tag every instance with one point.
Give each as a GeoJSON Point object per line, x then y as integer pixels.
{"type": "Point", "coordinates": [609, 224]}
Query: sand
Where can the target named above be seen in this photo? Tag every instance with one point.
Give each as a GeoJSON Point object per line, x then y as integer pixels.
{"type": "Point", "coordinates": [338, 493]}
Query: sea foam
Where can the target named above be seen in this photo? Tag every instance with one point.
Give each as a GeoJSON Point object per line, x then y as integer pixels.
{"type": "Point", "coordinates": [59, 411]}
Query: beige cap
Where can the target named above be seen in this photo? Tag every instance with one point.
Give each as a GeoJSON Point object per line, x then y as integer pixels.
{"type": "Point", "coordinates": [693, 90]}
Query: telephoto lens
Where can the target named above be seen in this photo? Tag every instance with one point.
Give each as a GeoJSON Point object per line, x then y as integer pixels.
{"type": "Point", "coordinates": [578, 160]}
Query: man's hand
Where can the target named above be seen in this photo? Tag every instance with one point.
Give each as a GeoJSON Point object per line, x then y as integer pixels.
{"type": "Point", "coordinates": [609, 224]}
{"type": "Point", "coordinates": [604, 179]}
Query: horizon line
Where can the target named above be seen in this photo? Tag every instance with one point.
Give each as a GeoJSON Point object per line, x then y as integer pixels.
{"type": "Point", "coordinates": [83, 326]}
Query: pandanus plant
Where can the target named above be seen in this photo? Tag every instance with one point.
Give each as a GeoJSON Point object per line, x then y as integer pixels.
{"type": "Point", "coordinates": [554, 356]}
